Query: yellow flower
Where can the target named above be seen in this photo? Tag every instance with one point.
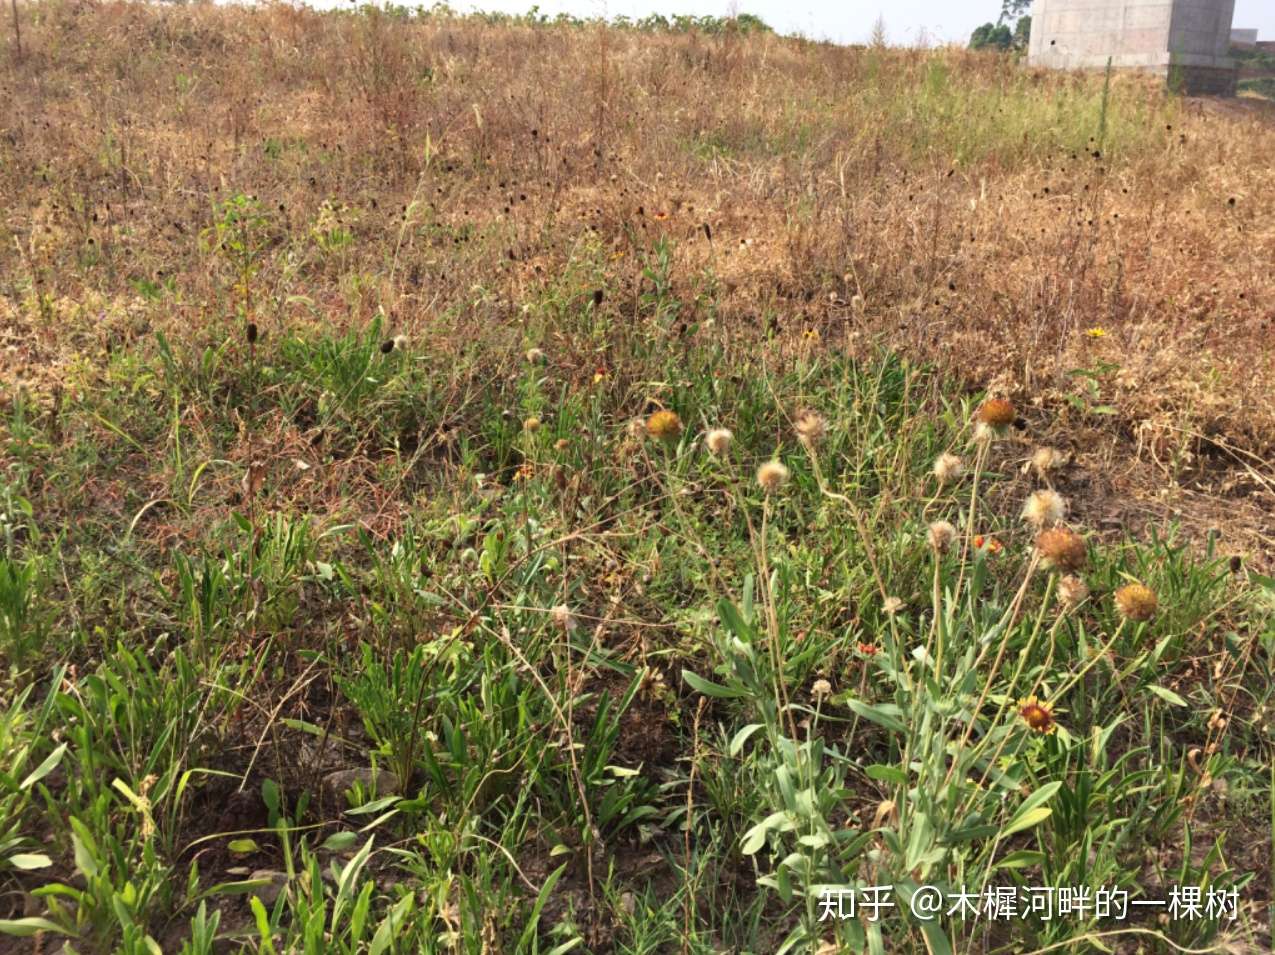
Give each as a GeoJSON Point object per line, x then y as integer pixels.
{"type": "Point", "coordinates": [1095, 332]}
{"type": "Point", "coordinates": [1136, 602]}
{"type": "Point", "coordinates": [1037, 715]}
{"type": "Point", "coordinates": [664, 425]}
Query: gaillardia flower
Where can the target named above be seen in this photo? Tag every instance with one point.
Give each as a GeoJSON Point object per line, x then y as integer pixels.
{"type": "Point", "coordinates": [1037, 715]}
{"type": "Point", "coordinates": [1062, 549]}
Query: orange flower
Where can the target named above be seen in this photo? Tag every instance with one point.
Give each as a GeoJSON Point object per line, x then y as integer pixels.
{"type": "Point", "coordinates": [1037, 715]}
{"type": "Point", "coordinates": [660, 216]}
{"type": "Point", "coordinates": [989, 544]}
{"type": "Point", "coordinates": [868, 649]}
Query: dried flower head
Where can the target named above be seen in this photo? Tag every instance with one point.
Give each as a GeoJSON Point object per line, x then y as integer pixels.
{"type": "Point", "coordinates": [1136, 602]}
{"type": "Point", "coordinates": [636, 428]}
{"type": "Point", "coordinates": [811, 427]}
{"type": "Point", "coordinates": [1037, 715]}
{"type": "Point", "coordinates": [531, 425]}
{"type": "Point", "coordinates": [718, 440]}
{"type": "Point", "coordinates": [400, 342]}
{"type": "Point", "coordinates": [996, 413]}
{"type": "Point", "coordinates": [564, 619]}
{"type": "Point", "coordinates": [664, 425]}
{"type": "Point", "coordinates": [1044, 509]}
{"type": "Point", "coordinates": [940, 535]}
{"type": "Point", "coordinates": [948, 467]}
{"type": "Point", "coordinates": [892, 605]}
{"type": "Point", "coordinates": [1061, 548]}
{"type": "Point", "coordinates": [1045, 460]}
{"type": "Point", "coordinates": [535, 356]}
{"type": "Point", "coordinates": [1072, 592]}
{"type": "Point", "coordinates": [820, 688]}
{"type": "Point", "coordinates": [772, 476]}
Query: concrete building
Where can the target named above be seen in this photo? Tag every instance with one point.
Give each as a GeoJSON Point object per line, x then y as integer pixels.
{"type": "Point", "coordinates": [1244, 38]}
{"type": "Point", "coordinates": [1186, 41]}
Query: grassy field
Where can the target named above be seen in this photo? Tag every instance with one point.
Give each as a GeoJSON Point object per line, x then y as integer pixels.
{"type": "Point", "coordinates": [480, 485]}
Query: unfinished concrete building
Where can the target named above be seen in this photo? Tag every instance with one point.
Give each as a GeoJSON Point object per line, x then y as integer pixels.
{"type": "Point", "coordinates": [1186, 41]}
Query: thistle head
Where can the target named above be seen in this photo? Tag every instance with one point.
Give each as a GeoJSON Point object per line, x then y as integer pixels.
{"type": "Point", "coordinates": [1137, 602]}
{"type": "Point", "coordinates": [1044, 509]}
{"type": "Point", "coordinates": [772, 476]}
{"type": "Point", "coordinates": [940, 535]}
{"type": "Point", "coordinates": [718, 440]}
{"type": "Point", "coordinates": [1061, 548]}
{"type": "Point", "coordinates": [811, 428]}
{"type": "Point", "coordinates": [948, 467]}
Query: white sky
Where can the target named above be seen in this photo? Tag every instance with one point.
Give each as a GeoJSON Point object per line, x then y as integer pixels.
{"type": "Point", "coordinates": [845, 21]}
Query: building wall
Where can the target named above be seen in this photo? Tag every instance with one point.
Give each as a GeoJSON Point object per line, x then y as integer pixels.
{"type": "Point", "coordinates": [1246, 38]}
{"type": "Point", "coordinates": [1186, 37]}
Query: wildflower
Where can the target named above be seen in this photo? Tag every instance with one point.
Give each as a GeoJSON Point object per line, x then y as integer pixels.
{"type": "Point", "coordinates": [564, 619]}
{"type": "Point", "coordinates": [535, 356]}
{"type": "Point", "coordinates": [1037, 715]}
{"type": "Point", "coordinates": [531, 425]}
{"type": "Point", "coordinates": [948, 467]}
{"type": "Point", "coordinates": [718, 440]}
{"type": "Point", "coordinates": [811, 427]}
{"type": "Point", "coordinates": [1072, 592]}
{"type": "Point", "coordinates": [1096, 332]}
{"type": "Point", "coordinates": [820, 689]}
{"type": "Point", "coordinates": [1045, 460]}
{"type": "Point", "coordinates": [1061, 548]}
{"type": "Point", "coordinates": [868, 649]}
{"type": "Point", "coordinates": [772, 476]}
{"type": "Point", "coordinates": [664, 425]}
{"type": "Point", "coordinates": [660, 216]}
{"type": "Point", "coordinates": [561, 444]}
{"type": "Point", "coordinates": [526, 471]}
{"type": "Point", "coordinates": [892, 605]}
{"type": "Point", "coordinates": [1044, 509]}
{"type": "Point", "coordinates": [995, 413]}
{"type": "Point", "coordinates": [400, 342]}
{"type": "Point", "coordinates": [599, 375]}
{"type": "Point", "coordinates": [989, 544]}
{"type": "Point", "coordinates": [1136, 602]}
{"type": "Point", "coordinates": [940, 535]}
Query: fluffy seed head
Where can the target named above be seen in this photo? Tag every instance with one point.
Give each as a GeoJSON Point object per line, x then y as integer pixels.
{"type": "Point", "coordinates": [400, 342]}
{"type": "Point", "coordinates": [892, 605]}
{"type": "Point", "coordinates": [772, 476]}
{"type": "Point", "coordinates": [820, 688]}
{"type": "Point", "coordinates": [718, 440]}
{"type": "Point", "coordinates": [948, 467]}
{"type": "Point", "coordinates": [1061, 548]}
{"type": "Point", "coordinates": [996, 413]}
{"type": "Point", "coordinates": [664, 425]}
{"type": "Point", "coordinates": [811, 427]}
{"type": "Point", "coordinates": [563, 618]}
{"type": "Point", "coordinates": [1044, 509]}
{"type": "Point", "coordinates": [1045, 460]}
{"type": "Point", "coordinates": [535, 356]}
{"type": "Point", "coordinates": [940, 535]}
{"type": "Point", "coordinates": [1136, 602]}
{"type": "Point", "coordinates": [1072, 592]}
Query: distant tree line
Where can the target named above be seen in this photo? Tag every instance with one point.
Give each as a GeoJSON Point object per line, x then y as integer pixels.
{"type": "Point", "coordinates": [654, 23]}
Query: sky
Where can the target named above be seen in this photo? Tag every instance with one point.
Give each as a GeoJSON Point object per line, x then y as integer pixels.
{"type": "Point", "coordinates": [842, 21]}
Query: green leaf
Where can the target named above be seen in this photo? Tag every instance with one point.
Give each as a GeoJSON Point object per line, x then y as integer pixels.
{"type": "Point", "coordinates": [533, 921]}
{"type": "Point", "coordinates": [879, 714]}
{"type": "Point", "coordinates": [701, 685]}
{"type": "Point", "coordinates": [1033, 811]}
{"type": "Point", "coordinates": [1167, 695]}
{"type": "Point", "coordinates": [30, 860]}
{"type": "Point", "coordinates": [739, 739]}
{"type": "Point", "coordinates": [1021, 859]}
{"type": "Point", "coordinates": [50, 763]}
{"type": "Point", "coordinates": [242, 846]}
{"type": "Point", "coordinates": [24, 928]}
{"type": "Point", "coordinates": [887, 774]}
{"type": "Point", "coordinates": [339, 841]}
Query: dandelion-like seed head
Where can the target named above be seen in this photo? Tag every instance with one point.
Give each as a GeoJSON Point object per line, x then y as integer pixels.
{"type": "Point", "coordinates": [940, 535]}
{"type": "Point", "coordinates": [400, 342]}
{"type": "Point", "coordinates": [718, 440]}
{"type": "Point", "coordinates": [1044, 509]}
{"type": "Point", "coordinates": [1061, 548]}
{"type": "Point", "coordinates": [820, 688]}
{"type": "Point", "coordinates": [1045, 460]}
{"type": "Point", "coordinates": [1037, 715]}
{"type": "Point", "coordinates": [948, 467]}
{"type": "Point", "coordinates": [664, 426]}
{"type": "Point", "coordinates": [1137, 602]}
{"type": "Point", "coordinates": [1072, 592]}
{"type": "Point", "coordinates": [535, 356]}
{"type": "Point", "coordinates": [564, 619]}
{"type": "Point", "coordinates": [772, 476]}
{"type": "Point", "coordinates": [892, 605]}
{"type": "Point", "coordinates": [811, 427]}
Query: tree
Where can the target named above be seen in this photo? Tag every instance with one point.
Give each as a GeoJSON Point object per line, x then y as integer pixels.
{"type": "Point", "coordinates": [1013, 9]}
{"type": "Point", "coordinates": [991, 36]}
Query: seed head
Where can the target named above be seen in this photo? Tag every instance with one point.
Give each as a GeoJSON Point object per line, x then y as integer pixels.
{"type": "Point", "coordinates": [1061, 548]}
{"type": "Point", "coordinates": [820, 688]}
{"type": "Point", "coordinates": [564, 619]}
{"type": "Point", "coordinates": [1044, 509]}
{"type": "Point", "coordinates": [811, 427]}
{"type": "Point", "coordinates": [772, 476]}
{"type": "Point", "coordinates": [531, 425]}
{"type": "Point", "coordinates": [940, 535]}
{"type": "Point", "coordinates": [892, 605]}
{"type": "Point", "coordinates": [1072, 592]}
{"type": "Point", "coordinates": [1045, 460]}
{"type": "Point", "coordinates": [718, 440]}
{"type": "Point", "coordinates": [535, 356]}
{"type": "Point", "coordinates": [400, 341]}
{"type": "Point", "coordinates": [1136, 602]}
{"type": "Point", "coordinates": [664, 425]}
{"type": "Point", "coordinates": [948, 467]}
{"type": "Point", "coordinates": [996, 413]}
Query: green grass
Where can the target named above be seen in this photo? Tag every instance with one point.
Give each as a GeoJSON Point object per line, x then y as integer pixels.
{"type": "Point", "coordinates": [660, 769]}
